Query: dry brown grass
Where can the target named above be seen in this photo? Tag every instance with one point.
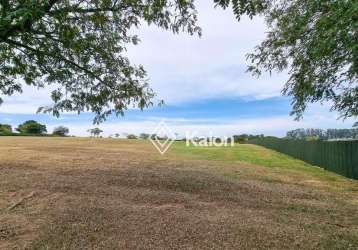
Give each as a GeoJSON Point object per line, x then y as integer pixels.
{"type": "Point", "coordinates": [118, 194]}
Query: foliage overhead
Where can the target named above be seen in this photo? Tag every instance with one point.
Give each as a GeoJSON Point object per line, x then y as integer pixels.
{"type": "Point", "coordinates": [31, 127]}
{"type": "Point", "coordinates": [315, 42]}
{"type": "Point", "coordinates": [78, 47]}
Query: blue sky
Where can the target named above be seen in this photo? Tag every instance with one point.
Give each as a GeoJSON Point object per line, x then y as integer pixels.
{"type": "Point", "coordinates": [203, 82]}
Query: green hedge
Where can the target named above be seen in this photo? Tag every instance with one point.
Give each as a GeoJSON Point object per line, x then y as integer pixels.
{"type": "Point", "coordinates": [340, 157]}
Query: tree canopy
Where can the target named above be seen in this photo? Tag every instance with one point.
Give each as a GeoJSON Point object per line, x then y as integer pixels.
{"type": "Point", "coordinates": [79, 48]}
{"type": "Point", "coordinates": [32, 127]}
{"type": "Point", "coordinates": [5, 128]}
{"type": "Point", "coordinates": [95, 132]}
{"type": "Point", "coordinates": [315, 42]}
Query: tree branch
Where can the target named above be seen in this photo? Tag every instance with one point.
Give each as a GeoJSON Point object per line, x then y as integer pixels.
{"type": "Point", "coordinates": [26, 25]}
{"type": "Point", "coordinates": [9, 41]}
{"type": "Point", "coordinates": [84, 11]}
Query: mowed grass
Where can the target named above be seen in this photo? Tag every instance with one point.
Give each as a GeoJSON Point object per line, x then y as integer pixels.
{"type": "Point", "coordinates": [82, 193]}
{"type": "Point", "coordinates": [278, 167]}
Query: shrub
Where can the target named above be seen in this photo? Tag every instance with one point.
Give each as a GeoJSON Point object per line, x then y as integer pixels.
{"type": "Point", "coordinates": [131, 136]}
{"type": "Point", "coordinates": [5, 128]}
{"type": "Point", "coordinates": [61, 131]}
{"type": "Point", "coordinates": [144, 136]}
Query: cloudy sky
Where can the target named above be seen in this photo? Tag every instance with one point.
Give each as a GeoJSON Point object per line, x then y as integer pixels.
{"type": "Point", "coordinates": [202, 81]}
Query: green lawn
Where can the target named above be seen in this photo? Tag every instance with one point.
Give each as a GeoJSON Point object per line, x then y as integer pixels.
{"type": "Point", "coordinates": [280, 165]}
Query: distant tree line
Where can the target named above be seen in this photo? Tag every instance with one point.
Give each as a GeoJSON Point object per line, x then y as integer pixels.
{"type": "Point", "coordinates": [246, 137]}
{"type": "Point", "coordinates": [35, 128]}
{"type": "Point", "coordinates": [144, 136]}
{"type": "Point", "coordinates": [321, 134]}
{"type": "Point", "coordinates": [32, 127]}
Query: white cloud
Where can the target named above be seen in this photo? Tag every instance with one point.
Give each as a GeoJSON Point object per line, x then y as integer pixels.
{"type": "Point", "coordinates": [184, 68]}
{"type": "Point", "coordinates": [27, 102]}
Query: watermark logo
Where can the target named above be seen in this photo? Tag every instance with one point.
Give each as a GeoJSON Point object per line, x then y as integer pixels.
{"type": "Point", "coordinates": [162, 137]}
{"type": "Point", "coordinates": [192, 139]}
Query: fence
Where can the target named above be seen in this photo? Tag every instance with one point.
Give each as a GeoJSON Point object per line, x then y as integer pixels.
{"type": "Point", "coordinates": [340, 157]}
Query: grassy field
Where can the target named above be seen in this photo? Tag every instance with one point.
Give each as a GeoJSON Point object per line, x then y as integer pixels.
{"type": "Point", "coordinates": [82, 193]}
